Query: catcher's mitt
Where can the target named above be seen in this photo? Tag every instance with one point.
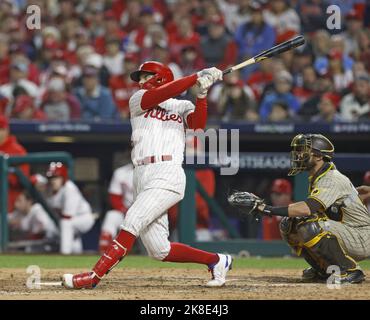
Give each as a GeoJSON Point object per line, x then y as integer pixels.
{"type": "Point", "coordinates": [247, 202]}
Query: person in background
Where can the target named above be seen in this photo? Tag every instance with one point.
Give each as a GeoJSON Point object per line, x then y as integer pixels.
{"type": "Point", "coordinates": [234, 100]}
{"type": "Point", "coordinates": [122, 87]}
{"type": "Point", "coordinates": [217, 47]}
{"type": "Point", "coordinates": [281, 196]}
{"type": "Point", "coordinates": [113, 59]}
{"type": "Point", "coordinates": [76, 217]}
{"type": "Point", "coordinates": [328, 107]}
{"type": "Point", "coordinates": [283, 83]}
{"type": "Point", "coordinates": [24, 109]}
{"type": "Point", "coordinates": [279, 112]}
{"type": "Point", "coordinates": [30, 220]}
{"type": "Point", "coordinates": [357, 103]}
{"type": "Point", "coordinates": [284, 19]}
{"type": "Point", "coordinates": [96, 100]}
{"type": "Point", "coordinates": [10, 146]}
{"type": "Point", "coordinates": [253, 37]}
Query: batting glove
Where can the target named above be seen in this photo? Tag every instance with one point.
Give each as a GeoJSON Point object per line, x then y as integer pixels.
{"type": "Point", "coordinates": [215, 73]}
{"type": "Point", "coordinates": [203, 84]}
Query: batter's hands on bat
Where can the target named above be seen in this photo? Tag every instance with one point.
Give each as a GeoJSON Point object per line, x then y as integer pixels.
{"type": "Point", "coordinates": [203, 84]}
{"type": "Point", "coordinates": [247, 202]}
{"type": "Point", "coordinates": [215, 73]}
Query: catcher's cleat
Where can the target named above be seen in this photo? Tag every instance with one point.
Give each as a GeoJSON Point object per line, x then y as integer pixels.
{"type": "Point", "coordinates": [352, 277]}
{"type": "Point", "coordinates": [87, 280]}
{"type": "Point", "coordinates": [219, 271]}
{"type": "Point", "coordinates": [311, 274]}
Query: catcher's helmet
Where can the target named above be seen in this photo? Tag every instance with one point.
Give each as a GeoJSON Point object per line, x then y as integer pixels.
{"type": "Point", "coordinates": [303, 145]}
{"type": "Point", "coordinates": [57, 169]}
{"type": "Point", "coordinates": [281, 186]}
{"type": "Point", "coordinates": [162, 74]}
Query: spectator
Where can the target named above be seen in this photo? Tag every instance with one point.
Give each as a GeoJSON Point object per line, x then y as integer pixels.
{"type": "Point", "coordinates": [10, 146]}
{"type": "Point", "coordinates": [123, 87]}
{"type": "Point", "coordinates": [282, 92]}
{"type": "Point", "coordinates": [234, 100]}
{"type": "Point", "coordinates": [58, 104]}
{"type": "Point", "coordinates": [259, 79]}
{"type": "Point", "coordinates": [4, 59]}
{"type": "Point", "coordinates": [321, 44]}
{"type": "Point", "coordinates": [184, 37]}
{"type": "Point", "coordinates": [328, 109]}
{"type": "Point", "coordinates": [190, 60]}
{"type": "Point", "coordinates": [363, 54]}
{"type": "Point", "coordinates": [313, 14]}
{"type": "Point", "coordinates": [24, 109]}
{"type": "Point", "coordinates": [113, 59]}
{"type": "Point", "coordinates": [284, 19]}
{"type": "Point", "coordinates": [161, 53]}
{"type": "Point", "coordinates": [96, 100]}
{"type": "Point", "coordinates": [18, 78]}
{"type": "Point", "coordinates": [218, 48]}
{"type": "Point", "coordinates": [279, 112]}
{"type": "Point", "coordinates": [253, 37]}
{"type": "Point", "coordinates": [309, 86]}
{"type": "Point", "coordinates": [30, 221]}
{"type": "Point", "coordinates": [354, 25]}
{"type": "Point", "coordinates": [281, 196]}
{"type": "Point", "coordinates": [310, 107]}
{"type": "Point", "coordinates": [357, 103]}
{"type": "Point", "coordinates": [342, 78]}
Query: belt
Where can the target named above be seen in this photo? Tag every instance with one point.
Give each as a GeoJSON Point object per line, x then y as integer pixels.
{"type": "Point", "coordinates": [153, 159]}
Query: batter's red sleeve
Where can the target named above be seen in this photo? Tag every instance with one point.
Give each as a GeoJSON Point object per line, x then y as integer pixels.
{"type": "Point", "coordinates": [117, 203]}
{"type": "Point", "coordinates": [198, 118]}
{"type": "Point", "coordinates": [153, 97]}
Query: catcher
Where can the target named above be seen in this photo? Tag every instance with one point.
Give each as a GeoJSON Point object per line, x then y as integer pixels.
{"type": "Point", "coordinates": [332, 226]}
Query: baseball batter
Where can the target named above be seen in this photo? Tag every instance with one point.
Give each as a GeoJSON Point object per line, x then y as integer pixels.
{"type": "Point", "coordinates": [332, 226]}
{"type": "Point", "coordinates": [121, 194]}
{"type": "Point", "coordinates": [158, 138]}
{"type": "Point", "coordinates": [75, 212]}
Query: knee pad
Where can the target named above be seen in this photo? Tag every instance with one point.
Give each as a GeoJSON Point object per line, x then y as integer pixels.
{"type": "Point", "coordinates": [288, 231]}
{"type": "Point", "coordinates": [309, 232]}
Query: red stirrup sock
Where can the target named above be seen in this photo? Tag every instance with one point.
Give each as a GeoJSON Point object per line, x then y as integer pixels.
{"type": "Point", "coordinates": [183, 253]}
{"type": "Point", "coordinates": [120, 246]}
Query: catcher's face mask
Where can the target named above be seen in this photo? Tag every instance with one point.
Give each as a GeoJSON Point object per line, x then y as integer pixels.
{"type": "Point", "coordinates": [300, 155]}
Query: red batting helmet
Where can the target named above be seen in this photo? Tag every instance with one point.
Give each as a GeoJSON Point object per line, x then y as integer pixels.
{"type": "Point", "coordinates": [367, 178]}
{"type": "Point", "coordinates": [57, 169]}
{"type": "Point", "coordinates": [281, 186]}
{"type": "Point", "coordinates": [162, 74]}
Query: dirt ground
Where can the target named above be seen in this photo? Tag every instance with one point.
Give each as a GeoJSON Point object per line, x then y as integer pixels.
{"type": "Point", "coordinates": [179, 284]}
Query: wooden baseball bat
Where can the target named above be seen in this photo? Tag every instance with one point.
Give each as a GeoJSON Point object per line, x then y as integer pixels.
{"type": "Point", "coordinates": [272, 52]}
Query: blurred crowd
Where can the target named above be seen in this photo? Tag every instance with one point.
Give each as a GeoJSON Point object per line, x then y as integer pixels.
{"type": "Point", "coordinates": [77, 65]}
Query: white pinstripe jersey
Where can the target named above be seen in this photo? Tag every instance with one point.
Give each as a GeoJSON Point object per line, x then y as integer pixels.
{"type": "Point", "coordinates": [69, 201]}
{"type": "Point", "coordinates": [122, 184]}
{"type": "Point", "coordinates": [159, 131]}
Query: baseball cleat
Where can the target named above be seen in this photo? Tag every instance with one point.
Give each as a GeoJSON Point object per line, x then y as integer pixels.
{"type": "Point", "coordinates": [87, 280]}
{"type": "Point", "coordinates": [67, 281]}
{"type": "Point", "coordinates": [219, 271]}
{"type": "Point", "coordinates": [311, 274]}
{"type": "Point", "coordinates": [352, 277]}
